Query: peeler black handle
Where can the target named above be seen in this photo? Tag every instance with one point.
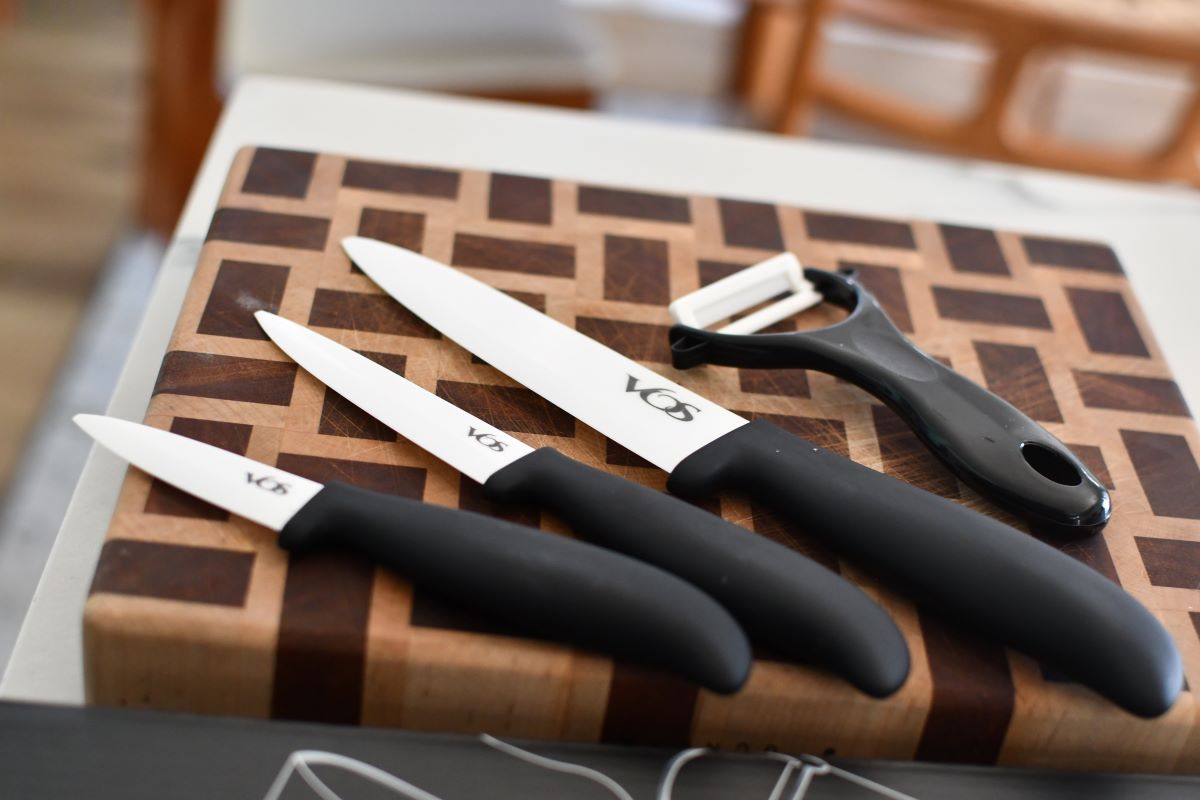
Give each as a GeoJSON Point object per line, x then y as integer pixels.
{"type": "Point", "coordinates": [998, 581]}
{"type": "Point", "coordinates": [985, 440]}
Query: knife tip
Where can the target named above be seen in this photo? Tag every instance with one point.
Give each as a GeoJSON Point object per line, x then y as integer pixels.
{"type": "Point", "coordinates": [358, 247]}
{"type": "Point", "coordinates": [274, 325]}
{"type": "Point", "coordinates": [351, 243]}
{"type": "Point", "coordinates": [88, 422]}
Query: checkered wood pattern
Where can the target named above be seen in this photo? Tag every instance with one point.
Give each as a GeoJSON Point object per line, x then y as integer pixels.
{"type": "Point", "coordinates": [194, 609]}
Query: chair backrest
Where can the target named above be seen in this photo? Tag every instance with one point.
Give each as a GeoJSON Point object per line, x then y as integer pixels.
{"type": "Point", "coordinates": [1019, 34]}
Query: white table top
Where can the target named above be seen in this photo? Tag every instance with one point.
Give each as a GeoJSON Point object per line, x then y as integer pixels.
{"type": "Point", "coordinates": [1155, 231]}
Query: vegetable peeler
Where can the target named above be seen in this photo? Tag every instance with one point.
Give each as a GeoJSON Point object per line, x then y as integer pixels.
{"type": "Point", "coordinates": [991, 445]}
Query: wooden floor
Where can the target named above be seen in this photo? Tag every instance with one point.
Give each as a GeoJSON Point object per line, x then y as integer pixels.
{"type": "Point", "coordinates": [69, 94]}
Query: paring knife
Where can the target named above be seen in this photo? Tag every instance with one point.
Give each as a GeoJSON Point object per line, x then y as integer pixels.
{"type": "Point", "coordinates": [546, 585]}
{"type": "Point", "coordinates": [998, 581]}
{"type": "Point", "coordinates": [796, 606]}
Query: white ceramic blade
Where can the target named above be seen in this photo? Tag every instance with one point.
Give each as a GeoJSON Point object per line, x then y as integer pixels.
{"type": "Point", "coordinates": [463, 441]}
{"type": "Point", "coordinates": [259, 492]}
{"type": "Point", "coordinates": [652, 416]}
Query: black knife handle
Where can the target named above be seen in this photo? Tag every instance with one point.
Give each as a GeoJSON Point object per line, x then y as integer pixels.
{"type": "Point", "coordinates": [798, 607]}
{"type": "Point", "coordinates": [543, 584]}
{"type": "Point", "coordinates": [998, 581]}
{"type": "Point", "coordinates": [985, 440]}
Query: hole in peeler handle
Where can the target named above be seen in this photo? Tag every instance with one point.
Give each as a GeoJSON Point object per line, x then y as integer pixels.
{"type": "Point", "coordinates": [1050, 464]}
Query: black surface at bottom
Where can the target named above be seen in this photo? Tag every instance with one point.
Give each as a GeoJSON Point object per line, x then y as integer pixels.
{"type": "Point", "coordinates": [58, 752]}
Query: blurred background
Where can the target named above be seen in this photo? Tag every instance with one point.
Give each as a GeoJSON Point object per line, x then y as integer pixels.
{"type": "Point", "coordinates": [106, 108]}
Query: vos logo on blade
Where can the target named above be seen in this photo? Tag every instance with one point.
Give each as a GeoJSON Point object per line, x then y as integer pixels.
{"type": "Point", "coordinates": [488, 440]}
{"type": "Point", "coordinates": [664, 400]}
{"type": "Point", "coordinates": [267, 483]}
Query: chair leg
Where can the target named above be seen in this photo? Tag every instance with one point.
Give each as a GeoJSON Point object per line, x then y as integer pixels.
{"type": "Point", "coordinates": [1179, 156]}
{"type": "Point", "coordinates": [10, 12]}
{"type": "Point", "coordinates": [182, 104]}
{"type": "Point", "coordinates": [803, 87]}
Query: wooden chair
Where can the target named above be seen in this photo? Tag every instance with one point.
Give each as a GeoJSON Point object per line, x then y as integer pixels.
{"type": "Point", "coordinates": [781, 75]}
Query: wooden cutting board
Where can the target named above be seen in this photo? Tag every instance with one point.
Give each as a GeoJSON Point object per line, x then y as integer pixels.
{"type": "Point", "coordinates": [192, 609]}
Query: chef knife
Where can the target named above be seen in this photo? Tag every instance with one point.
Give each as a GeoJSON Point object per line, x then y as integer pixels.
{"type": "Point", "coordinates": [546, 585]}
{"type": "Point", "coordinates": [800, 609]}
{"type": "Point", "coordinates": [998, 581]}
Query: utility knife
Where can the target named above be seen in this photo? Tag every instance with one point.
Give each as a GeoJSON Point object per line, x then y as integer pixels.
{"type": "Point", "coordinates": [997, 581]}
{"type": "Point", "coordinates": [795, 606]}
{"type": "Point", "coordinates": [541, 584]}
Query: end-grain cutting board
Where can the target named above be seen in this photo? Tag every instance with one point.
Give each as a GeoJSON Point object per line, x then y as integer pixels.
{"type": "Point", "coordinates": [194, 610]}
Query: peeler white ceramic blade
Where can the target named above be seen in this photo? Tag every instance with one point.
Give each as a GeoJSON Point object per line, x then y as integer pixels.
{"type": "Point", "coordinates": [262, 493]}
{"type": "Point", "coordinates": [747, 288]}
{"type": "Point", "coordinates": [463, 441]}
{"type": "Point", "coordinates": [654, 417]}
